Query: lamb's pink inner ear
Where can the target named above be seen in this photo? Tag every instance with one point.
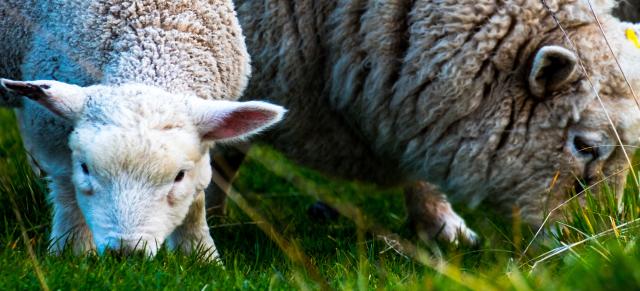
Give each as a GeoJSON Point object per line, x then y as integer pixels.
{"type": "Point", "coordinates": [239, 123]}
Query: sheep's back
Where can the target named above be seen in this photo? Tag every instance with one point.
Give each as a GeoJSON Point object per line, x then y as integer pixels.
{"type": "Point", "coordinates": [286, 40]}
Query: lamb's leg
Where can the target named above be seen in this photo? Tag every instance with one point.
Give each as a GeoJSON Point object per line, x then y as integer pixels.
{"type": "Point", "coordinates": [69, 226]}
{"type": "Point", "coordinates": [225, 162]}
{"type": "Point", "coordinates": [194, 234]}
{"type": "Point", "coordinates": [433, 218]}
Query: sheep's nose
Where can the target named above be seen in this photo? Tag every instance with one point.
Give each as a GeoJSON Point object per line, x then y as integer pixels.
{"type": "Point", "coordinates": [590, 146]}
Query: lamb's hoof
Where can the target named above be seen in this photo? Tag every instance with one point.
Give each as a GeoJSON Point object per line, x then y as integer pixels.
{"type": "Point", "coordinates": [321, 212]}
{"type": "Point", "coordinates": [80, 243]}
{"type": "Point", "coordinates": [211, 255]}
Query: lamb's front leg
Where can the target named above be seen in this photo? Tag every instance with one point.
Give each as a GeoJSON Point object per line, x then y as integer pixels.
{"type": "Point", "coordinates": [434, 218]}
{"type": "Point", "coordinates": [193, 234]}
{"type": "Point", "coordinates": [69, 228]}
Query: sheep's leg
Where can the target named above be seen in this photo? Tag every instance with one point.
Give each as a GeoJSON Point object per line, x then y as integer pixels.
{"type": "Point", "coordinates": [194, 234]}
{"type": "Point", "coordinates": [225, 162]}
{"type": "Point", "coordinates": [322, 212]}
{"type": "Point", "coordinates": [69, 227]}
{"type": "Point", "coordinates": [434, 218]}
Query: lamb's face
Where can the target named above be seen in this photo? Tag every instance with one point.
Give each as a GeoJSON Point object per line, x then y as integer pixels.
{"type": "Point", "coordinates": [140, 155]}
{"type": "Point", "coordinates": [137, 166]}
{"type": "Point", "coordinates": [136, 186]}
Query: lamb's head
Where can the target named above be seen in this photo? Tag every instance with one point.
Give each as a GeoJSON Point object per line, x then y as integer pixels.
{"type": "Point", "coordinates": [140, 155]}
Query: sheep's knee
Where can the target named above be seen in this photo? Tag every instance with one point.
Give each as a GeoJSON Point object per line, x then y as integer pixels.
{"type": "Point", "coordinates": [193, 234]}
{"type": "Point", "coordinates": [434, 218]}
{"type": "Point", "coordinates": [69, 229]}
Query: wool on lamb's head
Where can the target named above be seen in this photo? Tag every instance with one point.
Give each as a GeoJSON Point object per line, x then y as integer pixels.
{"type": "Point", "coordinates": [140, 155]}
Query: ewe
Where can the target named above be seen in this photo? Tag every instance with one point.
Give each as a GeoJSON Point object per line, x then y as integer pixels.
{"type": "Point", "coordinates": [126, 148]}
{"type": "Point", "coordinates": [485, 100]}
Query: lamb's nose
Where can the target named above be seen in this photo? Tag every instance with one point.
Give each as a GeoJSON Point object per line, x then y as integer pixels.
{"type": "Point", "coordinates": [590, 146]}
{"type": "Point", "coordinates": [117, 245]}
{"type": "Point", "coordinates": [121, 248]}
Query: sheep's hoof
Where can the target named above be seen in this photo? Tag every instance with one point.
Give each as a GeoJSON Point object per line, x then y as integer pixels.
{"type": "Point", "coordinates": [449, 228]}
{"type": "Point", "coordinates": [321, 212]}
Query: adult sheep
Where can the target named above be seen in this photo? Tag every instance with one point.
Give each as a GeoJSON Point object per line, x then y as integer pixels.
{"type": "Point", "coordinates": [126, 147]}
{"type": "Point", "coordinates": [485, 100]}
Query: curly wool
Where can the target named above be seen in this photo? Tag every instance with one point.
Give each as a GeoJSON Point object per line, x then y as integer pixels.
{"type": "Point", "coordinates": [186, 46]}
{"type": "Point", "coordinates": [398, 91]}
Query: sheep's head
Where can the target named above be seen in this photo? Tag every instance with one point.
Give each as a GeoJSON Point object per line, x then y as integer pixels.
{"type": "Point", "coordinates": [140, 154]}
{"type": "Point", "coordinates": [516, 111]}
{"type": "Point", "coordinates": [556, 123]}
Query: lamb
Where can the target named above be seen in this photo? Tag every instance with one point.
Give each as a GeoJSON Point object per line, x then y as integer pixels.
{"type": "Point", "coordinates": [478, 100]}
{"type": "Point", "coordinates": [129, 98]}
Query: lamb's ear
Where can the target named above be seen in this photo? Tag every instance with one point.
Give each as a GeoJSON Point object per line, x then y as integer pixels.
{"type": "Point", "coordinates": [63, 99]}
{"type": "Point", "coordinates": [229, 121]}
{"type": "Point", "coordinates": [552, 67]}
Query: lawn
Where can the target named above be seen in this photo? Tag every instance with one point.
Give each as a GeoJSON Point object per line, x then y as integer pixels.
{"type": "Point", "coordinates": [268, 241]}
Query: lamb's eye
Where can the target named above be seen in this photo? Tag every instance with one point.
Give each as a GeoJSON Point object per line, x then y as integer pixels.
{"type": "Point", "coordinates": [179, 177]}
{"type": "Point", "coordinates": [85, 169]}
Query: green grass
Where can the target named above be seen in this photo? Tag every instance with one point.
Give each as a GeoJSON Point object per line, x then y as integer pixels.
{"type": "Point", "coordinates": [351, 253]}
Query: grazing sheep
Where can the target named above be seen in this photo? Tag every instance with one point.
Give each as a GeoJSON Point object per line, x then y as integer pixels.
{"type": "Point", "coordinates": [123, 133]}
{"type": "Point", "coordinates": [486, 100]}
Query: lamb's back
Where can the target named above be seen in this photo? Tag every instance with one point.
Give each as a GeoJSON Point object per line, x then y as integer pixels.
{"type": "Point", "coordinates": [16, 28]}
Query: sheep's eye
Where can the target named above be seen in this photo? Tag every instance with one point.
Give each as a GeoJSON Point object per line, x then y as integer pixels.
{"type": "Point", "coordinates": [179, 177]}
{"type": "Point", "coordinates": [85, 169]}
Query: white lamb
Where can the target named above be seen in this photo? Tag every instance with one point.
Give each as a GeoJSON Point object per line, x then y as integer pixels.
{"type": "Point", "coordinates": [126, 148]}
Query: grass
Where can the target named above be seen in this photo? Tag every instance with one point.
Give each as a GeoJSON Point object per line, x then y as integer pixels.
{"type": "Point", "coordinates": [268, 242]}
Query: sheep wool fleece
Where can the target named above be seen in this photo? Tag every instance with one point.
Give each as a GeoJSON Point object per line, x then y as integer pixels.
{"type": "Point", "coordinates": [398, 91]}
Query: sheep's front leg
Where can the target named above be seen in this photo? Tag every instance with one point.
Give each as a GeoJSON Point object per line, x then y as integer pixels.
{"type": "Point", "coordinates": [69, 228]}
{"type": "Point", "coordinates": [225, 161]}
{"type": "Point", "coordinates": [434, 218]}
{"type": "Point", "coordinates": [193, 234]}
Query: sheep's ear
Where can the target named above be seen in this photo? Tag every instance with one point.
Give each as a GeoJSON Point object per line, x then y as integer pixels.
{"type": "Point", "coordinates": [552, 67]}
{"type": "Point", "coordinates": [63, 99]}
{"type": "Point", "coordinates": [229, 121]}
